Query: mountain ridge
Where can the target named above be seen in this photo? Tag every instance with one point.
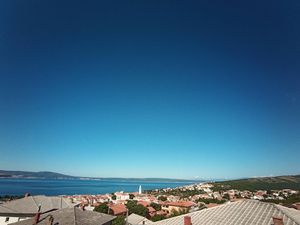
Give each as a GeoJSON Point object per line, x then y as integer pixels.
{"type": "Point", "coordinates": [53, 175]}
{"type": "Point", "coordinates": [261, 183]}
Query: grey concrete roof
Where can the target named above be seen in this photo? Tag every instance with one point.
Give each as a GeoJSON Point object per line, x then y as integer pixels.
{"type": "Point", "coordinates": [29, 205]}
{"type": "Point", "coordinates": [247, 212]}
{"type": "Point", "coordinates": [291, 213]}
{"type": "Point", "coordinates": [71, 216]}
{"type": "Point", "coordinates": [134, 219]}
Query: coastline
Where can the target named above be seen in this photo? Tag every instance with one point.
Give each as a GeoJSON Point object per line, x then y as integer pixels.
{"type": "Point", "coordinates": [52, 187]}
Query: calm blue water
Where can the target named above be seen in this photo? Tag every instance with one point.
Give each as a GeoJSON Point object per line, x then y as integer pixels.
{"type": "Point", "coordinates": [70, 187]}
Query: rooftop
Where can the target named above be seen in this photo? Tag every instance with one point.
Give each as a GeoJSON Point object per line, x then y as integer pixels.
{"type": "Point", "coordinates": [29, 205]}
{"type": "Point", "coordinates": [247, 212]}
{"type": "Point", "coordinates": [135, 219]}
{"type": "Point", "coordinates": [118, 209]}
{"type": "Point", "coordinates": [71, 216]}
{"type": "Point", "coordinates": [185, 204]}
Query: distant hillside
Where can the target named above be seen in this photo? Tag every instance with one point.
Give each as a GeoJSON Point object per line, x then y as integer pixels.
{"type": "Point", "coordinates": [264, 183]}
{"type": "Point", "coordinates": [25, 174]}
{"type": "Point", "coordinates": [52, 175]}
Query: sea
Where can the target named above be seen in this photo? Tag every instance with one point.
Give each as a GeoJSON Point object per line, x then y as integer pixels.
{"type": "Point", "coordinates": [52, 187]}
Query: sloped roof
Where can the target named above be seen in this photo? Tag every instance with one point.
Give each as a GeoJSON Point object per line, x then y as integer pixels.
{"type": "Point", "coordinates": [151, 209]}
{"type": "Point", "coordinates": [246, 212]}
{"type": "Point", "coordinates": [290, 212]}
{"type": "Point", "coordinates": [29, 205]}
{"type": "Point", "coordinates": [134, 219]}
{"type": "Point", "coordinates": [71, 216]}
{"type": "Point", "coordinates": [118, 209]}
{"type": "Point", "coordinates": [143, 203]}
{"type": "Point", "coordinates": [185, 204]}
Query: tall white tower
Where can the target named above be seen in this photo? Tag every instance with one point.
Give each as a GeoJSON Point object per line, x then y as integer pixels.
{"type": "Point", "coordinates": [140, 190]}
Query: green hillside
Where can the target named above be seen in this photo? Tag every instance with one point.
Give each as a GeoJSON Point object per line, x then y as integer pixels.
{"type": "Point", "coordinates": [264, 183]}
{"type": "Point", "coordinates": [26, 174]}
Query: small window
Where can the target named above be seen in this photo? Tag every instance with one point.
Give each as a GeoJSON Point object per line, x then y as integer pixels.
{"type": "Point", "coordinates": [6, 219]}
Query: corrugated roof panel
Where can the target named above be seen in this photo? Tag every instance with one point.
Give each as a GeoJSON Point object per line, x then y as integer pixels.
{"type": "Point", "coordinates": [246, 212]}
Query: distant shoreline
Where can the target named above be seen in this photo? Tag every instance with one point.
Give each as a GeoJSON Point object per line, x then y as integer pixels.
{"type": "Point", "coordinates": [105, 179]}
{"type": "Point", "coordinates": [52, 175]}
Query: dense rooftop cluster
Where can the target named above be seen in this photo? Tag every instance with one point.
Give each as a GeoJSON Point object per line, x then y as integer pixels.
{"type": "Point", "coordinates": [187, 205]}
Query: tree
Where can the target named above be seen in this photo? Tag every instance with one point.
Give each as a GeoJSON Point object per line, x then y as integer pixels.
{"type": "Point", "coordinates": [141, 210]}
{"type": "Point", "coordinates": [113, 197]}
{"type": "Point", "coordinates": [158, 217]}
{"type": "Point", "coordinates": [265, 196]}
{"type": "Point", "coordinates": [207, 201]}
{"type": "Point", "coordinates": [102, 208]}
{"type": "Point", "coordinates": [162, 198]}
{"type": "Point", "coordinates": [120, 220]}
{"type": "Point", "coordinates": [156, 206]}
{"type": "Point", "coordinates": [131, 196]}
{"type": "Point", "coordinates": [133, 207]}
{"type": "Point", "coordinates": [177, 213]}
{"type": "Point", "coordinates": [130, 204]}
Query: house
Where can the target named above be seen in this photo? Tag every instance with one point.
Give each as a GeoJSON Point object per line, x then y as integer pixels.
{"type": "Point", "coordinates": [69, 216]}
{"type": "Point", "coordinates": [27, 207]}
{"type": "Point", "coordinates": [143, 203]}
{"type": "Point", "coordinates": [103, 198]}
{"type": "Point", "coordinates": [246, 212]}
{"type": "Point", "coordinates": [180, 206]}
{"type": "Point", "coordinates": [161, 212]}
{"type": "Point", "coordinates": [117, 209]}
{"type": "Point", "coordinates": [261, 193]}
{"type": "Point", "coordinates": [151, 211]}
{"type": "Point", "coordinates": [122, 196]}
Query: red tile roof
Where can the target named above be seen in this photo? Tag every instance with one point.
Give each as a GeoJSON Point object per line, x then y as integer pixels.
{"type": "Point", "coordinates": [118, 209]}
{"type": "Point", "coordinates": [185, 204]}
{"type": "Point", "coordinates": [144, 203]}
{"type": "Point", "coordinates": [151, 209]}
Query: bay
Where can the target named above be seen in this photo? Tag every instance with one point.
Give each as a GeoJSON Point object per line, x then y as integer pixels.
{"type": "Point", "coordinates": [51, 187]}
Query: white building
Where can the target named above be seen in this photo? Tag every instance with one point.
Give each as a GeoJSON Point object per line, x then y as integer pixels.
{"type": "Point", "coordinates": [122, 196]}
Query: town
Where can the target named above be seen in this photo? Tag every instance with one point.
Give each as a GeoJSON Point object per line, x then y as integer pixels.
{"type": "Point", "coordinates": [157, 206]}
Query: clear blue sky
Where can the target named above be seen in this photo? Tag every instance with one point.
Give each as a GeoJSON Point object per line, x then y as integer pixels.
{"type": "Point", "coordinates": [178, 89]}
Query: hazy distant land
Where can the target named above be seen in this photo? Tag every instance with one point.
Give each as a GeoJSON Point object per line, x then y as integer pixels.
{"type": "Point", "coordinates": [261, 183]}
{"type": "Point", "coordinates": [53, 175]}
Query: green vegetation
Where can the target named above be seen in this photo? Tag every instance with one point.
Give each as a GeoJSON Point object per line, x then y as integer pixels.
{"type": "Point", "coordinates": [131, 196]}
{"type": "Point", "coordinates": [184, 193]}
{"type": "Point", "coordinates": [113, 197]}
{"type": "Point", "coordinates": [264, 183]}
{"type": "Point", "coordinates": [10, 197]}
{"type": "Point", "coordinates": [157, 218]}
{"type": "Point", "coordinates": [120, 220]}
{"type": "Point", "coordinates": [178, 213]}
{"type": "Point", "coordinates": [26, 174]}
{"type": "Point", "coordinates": [207, 201]}
{"type": "Point", "coordinates": [133, 207]}
{"type": "Point", "coordinates": [162, 198]}
{"type": "Point", "coordinates": [287, 201]}
{"type": "Point", "coordinates": [173, 214]}
{"type": "Point", "coordinates": [178, 192]}
{"type": "Point", "coordinates": [155, 206]}
{"type": "Point", "coordinates": [102, 208]}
